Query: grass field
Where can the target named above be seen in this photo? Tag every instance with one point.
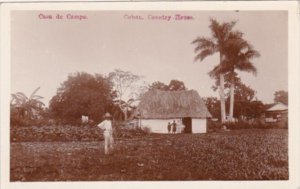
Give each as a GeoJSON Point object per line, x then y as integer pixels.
{"type": "Point", "coordinates": [260, 154]}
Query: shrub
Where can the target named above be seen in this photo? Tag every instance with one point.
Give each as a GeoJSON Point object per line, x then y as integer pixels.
{"type": "Point", "coordinates": [49, 133]}
{"type": "Point", "coordinates": [19, 122]}
{"type": "Point", "coordinates": [239, 125]}
{"type": "Point", "coordinates": [257, 124]}
{"type": "Point", "coordinates": [121, 131]}
{"type": "Point", "coordinates": [16, 121]}
{"type": "Point", "coordinates": [243, 124]}
{"type": "Point", "coordinates": [213, 126]}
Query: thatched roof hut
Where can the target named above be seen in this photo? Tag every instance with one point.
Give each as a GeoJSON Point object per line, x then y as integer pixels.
{"type": "Point", "coordinates": [157, 104]}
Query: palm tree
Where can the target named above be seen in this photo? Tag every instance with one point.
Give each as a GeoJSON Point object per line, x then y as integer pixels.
{"type": "Point", "coordinates": [221, 35]}
{"type": "Point", "coordinates": [239, 54]}
{"type": "Point", "coordinates": [27, 106]}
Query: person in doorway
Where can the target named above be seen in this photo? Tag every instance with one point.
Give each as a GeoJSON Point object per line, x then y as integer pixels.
{"type": "Point", "coordinates": [169, 127]}
{"type": "Point", "coordinates": [174, 127]}
{"type": "Point", "coordinates": [106, 125]}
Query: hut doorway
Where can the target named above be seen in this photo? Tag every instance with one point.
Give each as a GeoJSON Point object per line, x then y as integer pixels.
{"type": "Point", "coordinates": [187, 121]}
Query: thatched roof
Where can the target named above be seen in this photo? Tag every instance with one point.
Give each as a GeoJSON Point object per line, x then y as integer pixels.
{"type": "Point", "coordinates": [157, 104]}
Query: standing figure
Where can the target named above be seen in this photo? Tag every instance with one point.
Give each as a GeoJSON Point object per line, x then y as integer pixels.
{"type": "Point", "coordinates": [174, 127]}
{"type": "Point", "coordinates": [106, 125]}
{"type": "Point", "coordinates": [169, 127]}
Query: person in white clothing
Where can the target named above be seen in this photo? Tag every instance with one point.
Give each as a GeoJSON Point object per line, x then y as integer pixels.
{"type": "Point", "coordinates": [106, 125]}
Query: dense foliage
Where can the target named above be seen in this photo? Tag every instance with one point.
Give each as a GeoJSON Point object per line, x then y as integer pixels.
{"type": "Point", "coordinates": [248, 109]}
{"type": "Point", "coordinates": [213, 105]}
{"type": "Point", "coordinates": [82, 94]}
{"type": "Point", "coordinates": [281, 96]}
{"type": "Point", "coordinates": [246, 106]}
{"type": "Point", "coordinates": [174, 85]}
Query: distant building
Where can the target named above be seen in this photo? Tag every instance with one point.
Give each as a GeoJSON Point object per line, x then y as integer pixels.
{"type": "Point", "coordinates": [276, 114]}
{"type": "Point", "coordinates": [157, 108]}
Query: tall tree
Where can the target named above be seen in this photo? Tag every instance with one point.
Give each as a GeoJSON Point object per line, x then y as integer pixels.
{"type": "Point", "coordinates": [126, 88]}
{"type": "Point", "coordinates": [281, 96]}
{"type": "Point", "coordinates": [82, 94]}
{"type": "Point", "coordinates": [221, 36]}
{"type": "Point", "coordinates": [238, 56]}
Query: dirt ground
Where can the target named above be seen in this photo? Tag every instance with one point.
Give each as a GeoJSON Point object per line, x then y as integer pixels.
{"type": "Point", "coordinates": [258, 154]}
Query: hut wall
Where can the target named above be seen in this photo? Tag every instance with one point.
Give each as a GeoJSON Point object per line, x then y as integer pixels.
{"type": "Point", "coordinates": [157, 125]}
{"type": "Point", "coordinates": [161, 125]}
{"type": "Point", "coordinates": [199, 126]}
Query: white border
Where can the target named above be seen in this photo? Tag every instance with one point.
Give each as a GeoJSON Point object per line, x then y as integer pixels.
{"type": "Point", "coordinates": [293, 67]}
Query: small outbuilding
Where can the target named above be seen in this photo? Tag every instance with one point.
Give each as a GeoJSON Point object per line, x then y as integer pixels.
{"type": "Point", "coordinates": [276, 114]}
{"type": "Point", "coordinates": [157, 108]}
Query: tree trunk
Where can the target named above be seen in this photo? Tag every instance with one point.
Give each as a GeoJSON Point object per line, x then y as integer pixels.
{"type": "Point", "coordinates": [231, 101]}
{"type": "Point", "coordinates": [222, 94]}
{"type": "Point", "coordinates": [222, 99]}
{"type": "Point", "coordinates": [125, 114]}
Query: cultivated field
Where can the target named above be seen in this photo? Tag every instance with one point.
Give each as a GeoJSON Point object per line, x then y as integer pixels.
{"type": "Point", "coordinates": [235, 155]}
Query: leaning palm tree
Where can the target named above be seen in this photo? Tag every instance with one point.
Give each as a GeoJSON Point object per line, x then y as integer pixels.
{"type": "Point", "coordinates": [26, 106]}
{"type": "Point", "coordinates": [239, 54]}
{"type": "Point", "coordinates": [221, 35]}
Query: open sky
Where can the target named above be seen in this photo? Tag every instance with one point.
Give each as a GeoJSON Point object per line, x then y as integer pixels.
{"type": "Point", "coordinates": [45, 51]}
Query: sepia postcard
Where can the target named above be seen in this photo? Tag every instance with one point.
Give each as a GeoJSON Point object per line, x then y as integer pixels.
{"type": "Point", "coordinates": [150, 94]}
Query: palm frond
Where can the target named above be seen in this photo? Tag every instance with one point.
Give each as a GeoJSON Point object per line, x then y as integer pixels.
{"type": "Point", "coordinates": [251, 53]}
{"type": "Point", "coordinates": [246, 66]}
{"type": "Point", "coordinates": [33, 93]}
{"type": "Point", "coordinates": [26, 105]}
{"type": "Point", "coordinates": [14, 98]}
{"type": "Point", "coordinates": [235, 46]}
{"type": "Point", "coordinates": [203, 54]}
{"type": "Point", "coordinates": [21, 95]}
{"type": "Point", "coordinates": [37, 97]}
{"type": "Point", "coordinates": [203, 42]}
{"type": "Point", "coordinates": [217, 70]}
{"type": "Point", "coordinates": [235, 35]}
{"type": "Point", "coordinates": [205, 47]}
{"type": "Point", "coordinates": [36, 102]}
